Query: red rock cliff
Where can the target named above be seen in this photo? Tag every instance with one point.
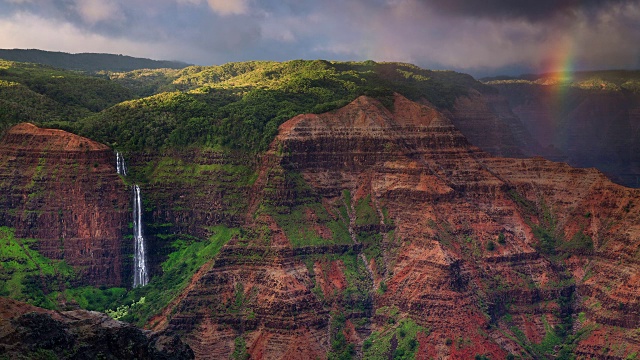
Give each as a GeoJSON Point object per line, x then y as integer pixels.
{"type": "Point", "coordinates": [63, 191]}
{"type": "Point", "coordinates": [487, 253]}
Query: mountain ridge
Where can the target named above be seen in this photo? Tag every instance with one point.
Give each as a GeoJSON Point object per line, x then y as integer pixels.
{"type": "Point", "coordinates": [90, 62]}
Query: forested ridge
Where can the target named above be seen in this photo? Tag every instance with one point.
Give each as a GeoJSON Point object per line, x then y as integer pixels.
{"type": "Point", "coordinates": [234, 106]}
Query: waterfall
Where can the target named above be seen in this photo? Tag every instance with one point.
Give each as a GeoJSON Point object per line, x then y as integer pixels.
{"type": "Point", "coordinates": [121, 168]}
{"type": "Point", "coordinates": [140, 275]}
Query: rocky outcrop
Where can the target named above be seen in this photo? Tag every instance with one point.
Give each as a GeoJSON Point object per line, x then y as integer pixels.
{"type": "Point", "coordinates": [62, 190]}
{"type": "Point", "coordinates": [29, 332]}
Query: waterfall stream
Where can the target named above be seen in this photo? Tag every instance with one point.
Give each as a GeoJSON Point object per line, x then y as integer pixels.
{"type": "Point", "coordinates": [121, 168]}
{"type": "Point", "coordinates": [140, 275]}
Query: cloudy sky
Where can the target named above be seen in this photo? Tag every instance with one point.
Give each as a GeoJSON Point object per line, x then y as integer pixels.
{"type": "Point", "coordinates": [481, 37]}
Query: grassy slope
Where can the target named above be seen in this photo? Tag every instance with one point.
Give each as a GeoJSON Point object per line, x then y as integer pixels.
{"type": "Point", "coordinates": [26, 274]}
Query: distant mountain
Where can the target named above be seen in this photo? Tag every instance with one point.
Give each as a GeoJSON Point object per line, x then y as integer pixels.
{"type": "Point", "coordinates": [87, 61]}
{"type": "Point", "coordinates": [595, 80]}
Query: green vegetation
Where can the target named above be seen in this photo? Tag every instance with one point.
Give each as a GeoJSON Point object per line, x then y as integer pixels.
{"type": "Point", "coordinates": [367, 223]}
{"type": "Point", "coordinates": [501, 239]}
{"type": "Point", "coordinates": [341, 349]}
{"type": "Point", "coordinates": [178, 269]}
{"type": "Point", "coordinates": [18, 103]}
{"type": "Point", "coordinates": [67, 88]}
{"type": "Point", "coordinates": [491, 246]}
{"type": "Point", "coordinates": [193, 173]}
{"type": "Point", "coordinates": [603, 80]}
{"type": "Point", "coordinates": [556, 342]}
{"type": "Point", "coordinates": [145, 82]}
{"type": "Point", "coordinates": [301, 231]}
{"type": "Point", "coordinates": [356, 297]}
{"type": "Point", "coordinates": [27, 275]}
{"type": "Point", "coordinates": [30, 277]}
{"type": "Point", "coordinates": [398, 341]}
{"type": "Point", "coordinates": [92, 298]}
{"type": "Point", "coordinates": [52, 97]}
{"type": "Point", "coordinates": [241, 105]}
{"type": "Point", "coordinates": [349, 303]}
{"type": "Point", "coordinates": [304, 220]}
{"type": "Point", "coordinates": [124, 310]}
{"type": "Point", "coordinates": [366, 214]}
{"type": "Point", "coordinates": [559, 340]}
{"type": "Point", "coordinates": [178, 172]}
{"type": "Point", "coordinates": [240, 349]}
{"type": "Point", "coordinates": [580, 243]}
{"type": "Point", "coordinates": [551, 242]}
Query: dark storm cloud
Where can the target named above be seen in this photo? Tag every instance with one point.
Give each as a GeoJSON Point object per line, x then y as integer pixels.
{"type": "Point", "coordinates": [534, 11]}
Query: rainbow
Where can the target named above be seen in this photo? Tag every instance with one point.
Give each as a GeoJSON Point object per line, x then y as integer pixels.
{"type": "Point", "coordinates": [558, 76]}
{"type": "Point", "coordinates": [561, 63]}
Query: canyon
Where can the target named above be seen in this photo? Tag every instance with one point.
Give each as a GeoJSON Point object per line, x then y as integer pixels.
{"type": "Point", "coordinates": [371, 231]}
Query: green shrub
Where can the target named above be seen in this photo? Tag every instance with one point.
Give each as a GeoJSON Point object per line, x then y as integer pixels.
{"type": "Point", "coordinates": [491, 246]}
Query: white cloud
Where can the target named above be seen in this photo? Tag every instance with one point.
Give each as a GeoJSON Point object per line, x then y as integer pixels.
{"type": "Point", "coordinates": [94, 11]}
{"type": "Point", "coordinates": [221, 7]}
{"type": "Point", "coordinates": [288, 28]}
{"type": "Point", "coordinates": [229, 7]}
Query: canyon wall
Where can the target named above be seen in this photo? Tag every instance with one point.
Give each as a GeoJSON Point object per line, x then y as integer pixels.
{"type": "Point", "coordinates": [365, 218]}
{"type": "Point", "coordinates": [63, 190]}
{"type": "Point", "coordinates": [487, 121]}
